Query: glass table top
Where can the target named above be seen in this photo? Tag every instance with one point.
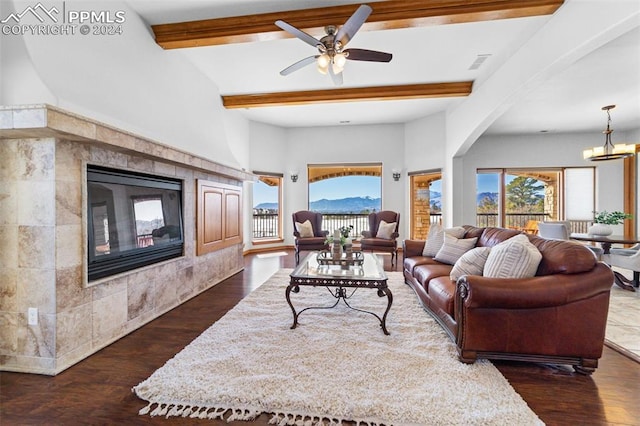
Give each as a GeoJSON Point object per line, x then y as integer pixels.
{"type": "Point", "coordinates": [371, 268]}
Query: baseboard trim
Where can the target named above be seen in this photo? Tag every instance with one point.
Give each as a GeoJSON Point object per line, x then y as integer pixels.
{"type": "Point", "coordinates": [624, 351]}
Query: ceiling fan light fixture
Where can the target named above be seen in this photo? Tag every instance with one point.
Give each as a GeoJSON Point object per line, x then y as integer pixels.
{"type": "Point", "coordinates": [324, 60]}
{"type": "Point", "coordinates": [323, 63]}
{"type": "Point", "coordinates": [330, 47]}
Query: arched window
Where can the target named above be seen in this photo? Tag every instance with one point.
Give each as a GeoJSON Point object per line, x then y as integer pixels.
{"type": "Point", "coordinates": [345, 194]}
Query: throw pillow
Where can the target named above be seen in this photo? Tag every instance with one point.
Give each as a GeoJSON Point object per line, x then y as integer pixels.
{"type": "Point", "coordinates": [453, 248]}
{"type": "Point", "coordinates": [513, 258]}
{"type": "Point", "coordinates": [470, 263]}
{"type": "Point", "coordinates": [385, 230]}
{"type": "Point", "coordinates": [435, 238]}
{"type": "Point", "coordinates": [305, 229]}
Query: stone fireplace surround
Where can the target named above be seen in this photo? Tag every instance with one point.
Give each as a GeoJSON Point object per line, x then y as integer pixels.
{"type": "Point", "coordinates": [44, 152]}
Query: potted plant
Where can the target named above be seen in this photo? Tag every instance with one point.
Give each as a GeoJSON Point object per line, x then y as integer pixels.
{"type": "Point", "coordinates": [603, 220]}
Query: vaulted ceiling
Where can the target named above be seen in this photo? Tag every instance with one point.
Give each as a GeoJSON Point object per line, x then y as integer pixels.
{"type": "Point", "coordinates": [434, 45]}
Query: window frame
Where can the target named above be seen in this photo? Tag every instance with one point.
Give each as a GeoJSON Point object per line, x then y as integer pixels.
{"type": "Point", "coordinates": [279, 177]}
{"type": "Point", "coordinates": [561, 189]}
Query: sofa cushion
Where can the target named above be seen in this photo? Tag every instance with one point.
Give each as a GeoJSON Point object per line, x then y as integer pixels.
{"type": "Point", "coordinates": [442, 291]}
{"type": "Point", "coordinates": [492, 236]}
{"type": "Point", "coordinates": [513, 258]}
{"type": "Point", "coordinates": [305, 229]}
{"type": "Point", "coordinates": [385, 230]}
{"type": "Point", "coordinates": [411, 262]}
{"type": "Point", "coordinates": [435, 238]}
{"type": "Point", "coordinates": [453, 248]}
{"type": "Point", "coordinates": [425, 273]}
{"type": "Point", "coordinates": [563, 257]}
{"type": "Point", "coordinates": [470, 263]}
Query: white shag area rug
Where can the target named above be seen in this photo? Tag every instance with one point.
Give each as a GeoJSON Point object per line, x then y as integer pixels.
{"type": "Point", "coordinates": [336, 366]}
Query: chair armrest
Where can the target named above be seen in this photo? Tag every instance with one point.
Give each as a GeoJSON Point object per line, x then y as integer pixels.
{"type": "Point", "coordinates": [324, 233]}
{"type": "Point", "coordinates": [532, 293]}
{"type": "Point", "coordinates": [412, 248]}
{"type": "Point", "coordinates": [367, 234]}
{"type": "Point", "coordinates": [296, 234]}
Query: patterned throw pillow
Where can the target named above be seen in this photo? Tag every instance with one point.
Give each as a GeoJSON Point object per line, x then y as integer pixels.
{"type": "Point", "coordinates": [305, 229]}
{"type": "Point", "coordinates": [385, 230]}
{"type": "Point", "coordinates": [453, 248]}
{"type": "Point", "coordinates": [513, 258]}
{"type": "Point", "coordinates": [470, 263]}
{"type": "Point", "coordinates": [435, 238]}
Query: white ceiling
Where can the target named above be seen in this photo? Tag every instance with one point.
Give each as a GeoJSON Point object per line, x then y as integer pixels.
{"type": "Point", "coordinates": [568, 101]}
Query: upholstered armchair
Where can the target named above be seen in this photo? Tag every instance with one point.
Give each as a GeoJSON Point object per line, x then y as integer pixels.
{"type": "Point", "coordinates": [307, 228]}
{"type": "Point", "coordinates": [382, 238]}
{"type": "Point", "coordinates": [561, 230]}
{"type": "Point", "coordinates": [626, 259]}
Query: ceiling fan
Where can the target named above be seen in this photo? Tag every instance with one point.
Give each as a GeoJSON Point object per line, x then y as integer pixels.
{"type": "Point", "coordinates": [332, 54]}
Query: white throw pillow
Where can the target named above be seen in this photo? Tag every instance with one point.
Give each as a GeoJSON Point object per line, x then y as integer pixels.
{"type": "Point", "coordinates": [453, 248]}
{"type": "Point", "coordinates": [435, 238]}
{"type": "Point", "coordinates": [305, 229]}
{"type": "Point", "coordinates": [385, 230]}
{"type": "Point", "coordinates": [513, 258]}
{"type": "Point", "coordinates": [470, 263]}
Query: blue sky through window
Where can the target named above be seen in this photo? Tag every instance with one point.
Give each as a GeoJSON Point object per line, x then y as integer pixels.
{"type": "Point", "coordinates": [263, 193]}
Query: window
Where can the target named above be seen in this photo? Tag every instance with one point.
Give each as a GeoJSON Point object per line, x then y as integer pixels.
{"type": "Point", "coordinates": [345, 194]}
{"type": "Point", "coordinates": [426, 202]}
{"type": "Point", "coordinates": [519, 198]}
{"type": "Point", "coordinates": [267, 207]}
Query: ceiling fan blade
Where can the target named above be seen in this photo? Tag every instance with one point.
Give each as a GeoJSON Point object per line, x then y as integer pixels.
{"type": "Point", "coordinates": [337, 78]}
{"type": "Point", "coordinates": [299, 33]}
{"type": "Point", "coordinates": [368, 55]}
{"type": "Point", "coordinates": [353, 24]}
{"type": "Point", "coordinates": [300, 64]}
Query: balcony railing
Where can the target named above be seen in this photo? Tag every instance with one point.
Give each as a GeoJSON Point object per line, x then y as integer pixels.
{"type": "Point", "coordinates": [519, 221]}
{"type": "Point", "coordinates": [265, 225]}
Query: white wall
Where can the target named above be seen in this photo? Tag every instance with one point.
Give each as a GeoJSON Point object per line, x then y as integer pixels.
{"type": "Point", "coordinates": [283, 150]}
{"type": "Point", "coordinates": [124, 80]}
{"type": "Point", "coordinates": [545, 150]}
{"type": "Point", "coordinates": [267, 148]}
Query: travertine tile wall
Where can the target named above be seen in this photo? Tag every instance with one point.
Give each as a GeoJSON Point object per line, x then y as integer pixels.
{"type": "Point", "coordinates": [27, 244]}
{"type": "Point", "coordinates": [43, 252]}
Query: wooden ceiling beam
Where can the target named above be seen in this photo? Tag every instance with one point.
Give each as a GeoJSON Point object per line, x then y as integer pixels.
{"type": "Point", "coordinates": [386, 15]}
{"type": "Point", "coordinates": [379, 93]}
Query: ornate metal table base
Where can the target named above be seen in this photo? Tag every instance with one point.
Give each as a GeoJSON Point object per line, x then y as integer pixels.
{"type": "Point", "coordinates": [342, 293]}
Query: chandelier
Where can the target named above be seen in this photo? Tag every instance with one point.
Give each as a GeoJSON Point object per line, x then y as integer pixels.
{"type": "Point", "coordinates": [609, 151]}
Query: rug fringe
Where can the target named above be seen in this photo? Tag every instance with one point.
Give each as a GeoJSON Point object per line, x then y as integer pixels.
{"type": "Point", "coordinates": [212, 413]}
{"type": "Point", "coordinates": [288, 419]}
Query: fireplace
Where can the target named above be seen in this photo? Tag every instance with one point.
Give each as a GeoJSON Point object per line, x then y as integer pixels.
{"type": "Point", "coordinates": [134, 220]}
{"type": "Point", "coordinates": [77, 191]}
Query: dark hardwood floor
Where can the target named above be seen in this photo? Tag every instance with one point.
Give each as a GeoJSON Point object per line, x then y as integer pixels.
{"type": "Point", "coordinates": [98, 389]}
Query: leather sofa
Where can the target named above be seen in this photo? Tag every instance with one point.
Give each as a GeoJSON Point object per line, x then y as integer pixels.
{"type": "Point", "coordinates": [558, 316]}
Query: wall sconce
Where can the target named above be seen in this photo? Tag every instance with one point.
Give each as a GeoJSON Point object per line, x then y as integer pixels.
{"type": "Point", "coordinates": [294, 176]}
{"type": "Point", "coordinates": [396, 174]}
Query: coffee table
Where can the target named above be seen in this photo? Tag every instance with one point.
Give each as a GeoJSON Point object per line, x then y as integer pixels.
{"type": "Point", "coordinates": [342, 281]}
